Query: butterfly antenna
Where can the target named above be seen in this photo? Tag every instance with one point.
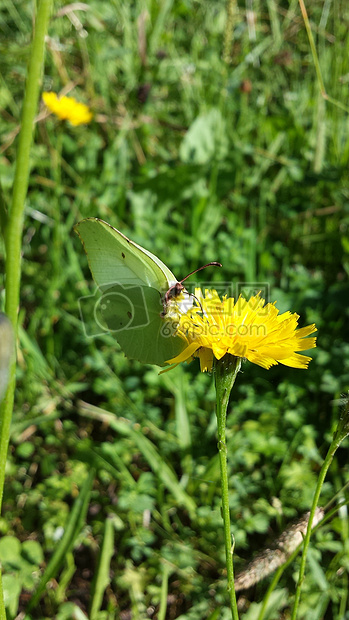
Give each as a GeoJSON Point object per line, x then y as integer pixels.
{"type": "Point", "coordinates": [192, 295]}
{"type": "Point", "coordinates": [213, 264]}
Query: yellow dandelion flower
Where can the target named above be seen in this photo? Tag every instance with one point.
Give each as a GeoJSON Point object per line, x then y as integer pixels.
{"type": "Point", "coordinates": [67, 109]}
{"type": "Point", "coordinates": [247, 329]}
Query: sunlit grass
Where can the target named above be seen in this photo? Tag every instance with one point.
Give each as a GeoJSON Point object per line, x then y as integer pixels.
{"type": "Point", "coordinates": [245, 164]}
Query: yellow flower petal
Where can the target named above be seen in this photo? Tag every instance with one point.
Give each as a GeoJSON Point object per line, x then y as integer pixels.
{"type": "Point", "coordinates": [206, 359]}
{"type": "Point", "coordinates": [185, 354]}
{"type": "Point", "coordinates": [245, 328]}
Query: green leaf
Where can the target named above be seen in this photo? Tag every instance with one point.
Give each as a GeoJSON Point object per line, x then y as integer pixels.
{"type": "Point", "coordinates": [12, 588]}
{"type": "Point", "coordinates": [205, 139]}
{"type": "Point", "coordinates": [32, 551]}
{"type": "Point", "coordinates": [10, 552]}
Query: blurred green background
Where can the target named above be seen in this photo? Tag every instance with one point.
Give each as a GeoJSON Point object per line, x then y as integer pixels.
{"type": "Point", "coordinates": [196, 158]}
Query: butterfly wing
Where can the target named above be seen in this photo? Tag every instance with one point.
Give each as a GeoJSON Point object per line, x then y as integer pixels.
{"type": "Point", "coordinates": [112, 257]}
{"type": "Point", "coordinates": [131, 282]}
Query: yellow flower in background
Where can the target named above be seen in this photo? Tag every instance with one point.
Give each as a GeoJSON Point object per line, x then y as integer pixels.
{"type": "Point", "coordinates": [67, 109]}
{"type": "Point", "coordinates": [247, 329]}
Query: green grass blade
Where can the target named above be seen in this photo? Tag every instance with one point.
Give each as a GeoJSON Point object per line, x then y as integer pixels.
{"type": "Point", "coordinates": [314, 53]}
{"type": "Point", "coordinates": [274, 22]}
{"type": "Point", "coordinates": [164, 591]}
{"type": "Point", "coordinates": [65, 578]}
{"type": "Point", "coordinates": [102, 578]}
{"type": "Point", "coordinates": [160, 24]}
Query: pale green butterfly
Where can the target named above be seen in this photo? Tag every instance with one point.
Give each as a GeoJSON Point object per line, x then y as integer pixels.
{"type": "Point", "coordinates": [133, 284]}
{"type": "Point", "coordinates": [138, 293]}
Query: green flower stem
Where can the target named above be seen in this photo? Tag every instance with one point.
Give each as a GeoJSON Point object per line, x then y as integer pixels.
{"type": "Point", "coordinates": [14, 226]}
{"type": "Point", "coordinates": [340, 434]}
{"type": "Point", "coordinates": [3, 213]}
{"type": "Point", "coordinates": [226, 370]}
